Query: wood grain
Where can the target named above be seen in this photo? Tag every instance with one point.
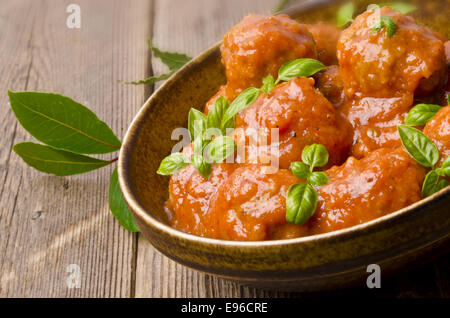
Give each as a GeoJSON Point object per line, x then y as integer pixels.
{"type": "Point", "coordinates": [48, 222]}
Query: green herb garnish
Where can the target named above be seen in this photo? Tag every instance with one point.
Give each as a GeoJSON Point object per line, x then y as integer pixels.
{"type": "Point", "coordinates": [345, 14]}
{"type": "Point", "coordinates": [385, 22]}
{"type": "Point", "coordinates": [301, 200]}
{"type": "Point", "coordinates": [425, 152]}
{"type": "Point", "coordinates": [420, 114]}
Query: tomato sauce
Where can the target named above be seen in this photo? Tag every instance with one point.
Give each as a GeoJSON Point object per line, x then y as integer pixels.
{"type": "Point", "coordinates": [352, 107]}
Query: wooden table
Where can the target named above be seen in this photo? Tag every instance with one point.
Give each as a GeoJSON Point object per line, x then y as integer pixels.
{"type": "Point", "coordinates": [47, 222]}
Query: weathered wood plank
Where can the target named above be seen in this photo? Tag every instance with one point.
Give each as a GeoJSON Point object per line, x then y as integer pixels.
{"type": "Point", "coordinates": [190, 27]}
{"type": "Point", "coordinates": [46, 222]}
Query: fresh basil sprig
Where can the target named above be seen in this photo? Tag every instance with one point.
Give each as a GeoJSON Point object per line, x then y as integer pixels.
{"type": "Point", "coordinates": [301, 200]}
{"type": "Point", "coordinates": [419, 146]}
{"type": "Point", "coordinates": [420, 114]}
{"type": "Point", "coordinates": [300, 67]}
{"type": "Point", "coordinates": [69, 131]}
{"type": "Point", "coordinates": [345, 14]}
{"type": "Point", "coordinates": [425, 152]}
{"type": "Point", "coordinates": [388, 23]}
{"type": "Point", "coordinates": [240, 103]}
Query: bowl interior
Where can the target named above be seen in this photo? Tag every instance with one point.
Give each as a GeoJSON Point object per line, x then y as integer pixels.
{"type": "Point", "coordinates": [192, 86]}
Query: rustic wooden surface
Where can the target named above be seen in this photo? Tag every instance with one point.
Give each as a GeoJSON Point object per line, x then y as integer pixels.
{"type": "Point", "coordinates": [46, 222]}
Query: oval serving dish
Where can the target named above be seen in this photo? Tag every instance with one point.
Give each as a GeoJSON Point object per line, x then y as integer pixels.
{"type": "Point", "coordinates": [396, 241]}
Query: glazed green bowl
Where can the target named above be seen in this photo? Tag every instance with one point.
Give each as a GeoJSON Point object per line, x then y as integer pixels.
{"type": "Point", "coordinates": [396, 241]}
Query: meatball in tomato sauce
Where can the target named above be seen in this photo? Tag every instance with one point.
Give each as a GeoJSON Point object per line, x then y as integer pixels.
{"type": "Point", "coordinates": [259, 45]}
{"type": "Point", "coordinates": [374, 64]}
{"type": "Point", "coordinates": [363, 190]}
{"type": "Point", "coordinates": [301, 115]}
{"type": "Point", "coordinates": [251, 205]}
{"type": "Point", "coordinates": [326, 37]}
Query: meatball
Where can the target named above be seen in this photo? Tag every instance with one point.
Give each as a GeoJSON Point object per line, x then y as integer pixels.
{"type": "Point", "coordinates": [330, 84]}
{"type": "Point", "coordinates": [438, 130]}
{"type": "Point", "coordinates": [326, 37]}
{"type": "Point", "coordinates": [251, 205]}
{"type": "Point", "coordinates": [302, 117]}
{"type": "Point", "coordinates": [378, 66]}
{"type": "Point", "coordinates": [190, 193]}
{"type": "Point", "coordinates": [363, 190]}
{"type": "Point", "coordinates": [259, 45]}
{"type": "Point", "coordinates": [375, 121]}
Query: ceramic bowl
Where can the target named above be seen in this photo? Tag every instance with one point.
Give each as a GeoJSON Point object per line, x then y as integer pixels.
{"type": "Point", "coordinates": [396, 241]}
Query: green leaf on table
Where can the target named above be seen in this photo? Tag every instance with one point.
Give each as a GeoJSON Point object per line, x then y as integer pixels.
{"type": "Point", "coordinates": [318, 178]}
{"type": "Point", "coordinates": [388, 23]}
{"type": "Point", "coordinates": [57, 162]}
{"type": "Point", "coordinates": [197, 123]}
{"type": "Point", "coordinates": [300, 67]}
{"type": "Point", "coordinates": [173, 60]}
{"type": "Point", "coordinates": [268, 84]}
{"type": "Point", "coordinates": [432, 184]}
{"type": "Point", "coordinates": [402, 7]}
{"type": "Point", "coordinates": [202, 166]}
{"type": "Point", "coordinates": [172, 164]}
{"type": "Point", "coordinates": [118, 206]}
{"type": "Point", "coordinates": [300, 170]}
{"type": "Point", "coordinates": [150, 80]}
{"type": "Point", "coordinates": [419, 146]}
{"type": "Point", "coordinates": [220, 148]}
{"type": "Point", "coordinates": [62, 123]}
{"type": "Point", "coordinates": [244, 100]}
{"type": "Point", "coordinates": [345, 14]}
{"type": "Point", "coordinates": [420, 114]}
{"type": "Point", "coordinates": [301, 203]}
{"type": "Point", "coordinates": [315, 155]}
{"type": "Point", "coordinates": [216, 113]}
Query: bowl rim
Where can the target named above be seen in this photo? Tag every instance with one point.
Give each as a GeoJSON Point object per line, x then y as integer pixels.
{"type": "Point", "coordinates": [146, 216]}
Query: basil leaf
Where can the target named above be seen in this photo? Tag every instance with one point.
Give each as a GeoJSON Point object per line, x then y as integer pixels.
{"type": "Point", "coordinates": [420, 114]}
{"type": "Point", "coordinates": [419, 146]}
{"type": "Point", "coordinates": [448, 99]}
{"type": "Point", "coordinates": [431, 184]}
{"type": "Point", "coordinates": [203, 167]}
{"type": "Point", "coordinates": [196, 123]}
{"type": "Point", "coordinates": [62, 123]}
{"type": "Point", "coordinates": [57, 162]}
{"type": "Point", "coordinates": [315, 155]}
{"type": "Point", "coordinates": [118, 206]}
{"type": "Point", "coordinates": [301, 203]}
{"type": "Point", "coordinates": [244, 100]}
{"type": "Point", "coordinates": [268, 84]}
{"type": "Point", "coordinates": [444, 170]}
{"type": "Point", "coordinates": [198, 145]}
{"type": "Point", "coordinates": [402, 7]}
{"type": "Point", "coordinates": [388, 23]}
{"type": "Point", "coordinates": [280, 6]}
{"type": "Point", "coordinates": [220, 148]}
{"type": "Point", "coordinates": [318, 178]}
{"type": "Point", "coordinates": [216, 113]}
{"type": "Point", "coordinates": [150, 80]}
{"type": "Point", "coordinates": [173, 60]}
{"type": "Point", "coordinates": [300, 169]}
{"type": "Point", "coordinates": [172, 164]}
{"type": "Point", "coordinates": [299, 67]}
{"type": "Point", "coordinates": [345, 14]}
